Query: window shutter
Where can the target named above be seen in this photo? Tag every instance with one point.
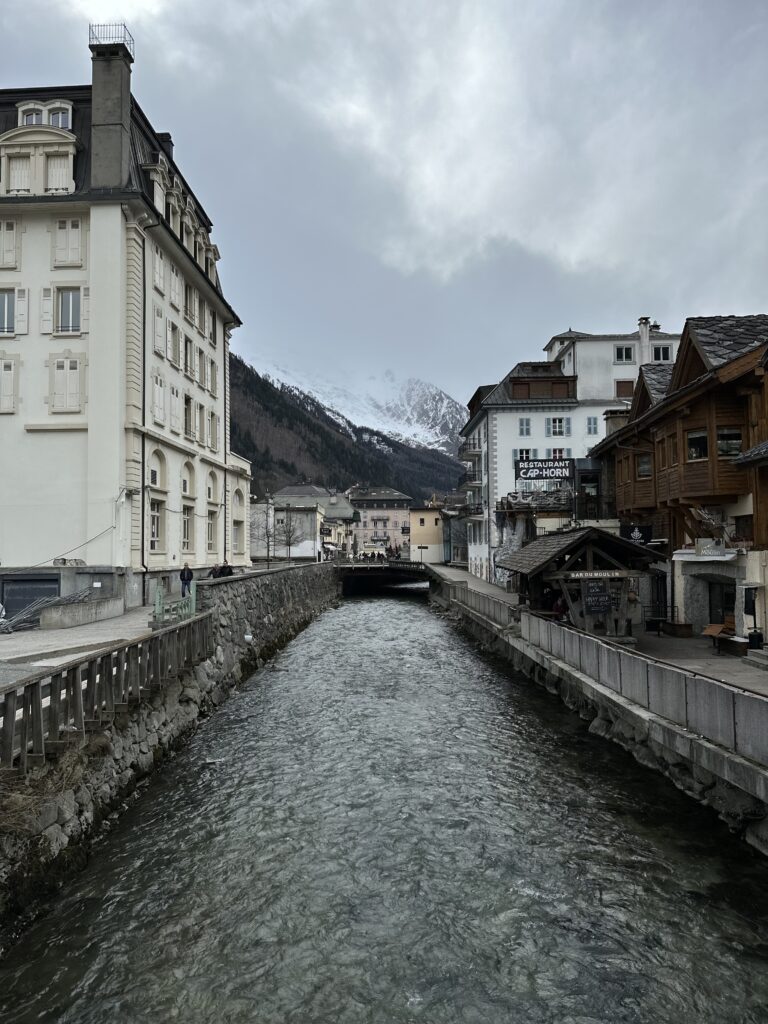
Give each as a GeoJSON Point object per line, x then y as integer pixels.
{"type": "Point", "coordinates": [74, 241]}
{"type": "Point", "coordinates": [515, 455]}
{"type": "Point", "coordinates": [159, 340]}
{"type": "Point", "coordinates": [46, 311]}
{"type": "Point", "coordinates": [548, 427]}
{"type": "Point", "coordinates": [569, 453]}
{"type": "Point", "coordinates": [73, 384]}
{"type": "Point", "coordinates": [8, 254]}
{"type": "Point", "coordinates": [549, 453]}
{"type": "Point", "coordinates": [7, 403]}
{"type": "Point", "coordinates": [168, 339]}
{"type": "Point", "coordinates": [209, 431]}
{"type": "Point", "coordinates": [60, 384]}
{"type": "Point", "coordinates": [60, 253]}
{"type": "Point", "coordinates": [567, 426]}
{"type": "Point", "coordinates": [535, 453]}
{"type": "Point", "coordinates": [85, 309]}
{"type": "Point", "coordinates": [21, 311]}
{"type": "Point", "coordinates": [175, 408]}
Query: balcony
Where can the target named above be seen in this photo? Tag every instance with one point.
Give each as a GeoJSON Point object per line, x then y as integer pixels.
{"type": "Point", "coordinates": [472, 511]}
{"type": "Point", "coordinates": [469, 449]}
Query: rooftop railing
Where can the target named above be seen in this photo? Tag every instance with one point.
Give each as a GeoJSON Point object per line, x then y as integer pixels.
{"type": "Point", "coordinates": [111, 34]}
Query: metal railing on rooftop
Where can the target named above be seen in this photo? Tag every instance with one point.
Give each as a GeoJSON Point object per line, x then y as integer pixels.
{"type": "Point", "coordinates": [111, 33]}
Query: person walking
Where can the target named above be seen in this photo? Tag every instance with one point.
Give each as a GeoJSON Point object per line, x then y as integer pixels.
{"type": "Point", "coordinates": [186, 579]}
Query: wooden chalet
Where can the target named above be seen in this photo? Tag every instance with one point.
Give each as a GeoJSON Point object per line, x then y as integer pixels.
{"type": "Point", "coordinates": [686, 464]}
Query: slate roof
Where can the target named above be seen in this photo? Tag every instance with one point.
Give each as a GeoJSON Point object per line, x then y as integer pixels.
{"type": "Point", "coordinates": [723, 338]}
{"type": "Point", "coordinates": [657, 377]}
{"type": "Point", "coordinates": [535, 556]}
{"type": "Point", "coordinates": [360, 493]}
{"type": "Point", "coordinates": [753, 455]}
{"type": "Point", "coordinates": [144, 149]}
{"type": "Point", "coordinates": [539, 552]}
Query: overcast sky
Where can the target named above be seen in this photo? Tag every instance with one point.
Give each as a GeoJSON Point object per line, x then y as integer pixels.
{"type": "Point", "coordinates": [438, 186]}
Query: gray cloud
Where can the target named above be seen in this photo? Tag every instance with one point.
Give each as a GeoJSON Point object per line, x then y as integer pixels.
{"type": "Point", "coordinates": [400, 183]}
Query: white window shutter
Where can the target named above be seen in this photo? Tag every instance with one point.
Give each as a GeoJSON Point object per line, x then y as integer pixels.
{"type": "Point", "coordinates": [535, 453]}
{"type": "Point", "coordinates": [549, 453]}
{"type": "Point", "coordinates": [569, 453]}
{"type": "Point", "coordinates": [7, 403]}
{"type": "Point", "coordinates": [209, 431]}
{"type": "Point", "coordinates": [515, 455]}
{"type": "Point", "coordinates": [73, 384]}
{"type": "Point", "coordinates": [21, 311]}
{"type": "Point", "coordinates": [159, 339]}
{"type": "Point", "coordinates": [8, 254]}
{"type": "Point", "coordinates": [548, 427]}
{"type": "Point", "coordinates": [74, 241]}
{"type": "Point", "coordinates": [46, 311]}
{"type": "Point", "coordinates": [168, 339]}
{"type": "Point", "coordinates": [60, 255]}
{"type": "Point", "coordinates": [567, 426]}
{"type": "Point", "coordinates": [85, 309]}
{"type": "Point", "coordinates": [60, 384]}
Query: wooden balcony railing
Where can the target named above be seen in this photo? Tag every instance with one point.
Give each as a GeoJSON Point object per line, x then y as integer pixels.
{"type": "Point", "coordinates": [45, 712]}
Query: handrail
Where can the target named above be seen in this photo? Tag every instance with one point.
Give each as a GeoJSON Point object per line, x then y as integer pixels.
{"type": "Point", "coordinates": [45, 711]}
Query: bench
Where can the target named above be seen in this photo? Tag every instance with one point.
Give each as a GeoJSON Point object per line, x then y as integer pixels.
{"type": "Point", "coordinates": [724, 636]}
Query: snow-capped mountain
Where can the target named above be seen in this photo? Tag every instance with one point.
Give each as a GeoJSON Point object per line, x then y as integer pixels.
{"type": "Point", "coordinates": [411, 411]}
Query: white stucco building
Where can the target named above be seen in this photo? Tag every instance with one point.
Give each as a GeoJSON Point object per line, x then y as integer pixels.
{"type": "Point", "coordinates": [552, 409]}
{"type": "Point", "coordinates": [114, 344]}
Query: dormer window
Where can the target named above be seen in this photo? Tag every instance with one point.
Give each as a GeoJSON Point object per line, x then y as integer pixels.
{"type": "Point", "coordinates": [37, 156]}
{"type": "Point", "coordinates": [59, 118]}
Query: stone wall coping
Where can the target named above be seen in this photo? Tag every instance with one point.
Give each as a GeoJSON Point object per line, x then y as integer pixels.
{"type": "Point", "coordinates": [258, 573]}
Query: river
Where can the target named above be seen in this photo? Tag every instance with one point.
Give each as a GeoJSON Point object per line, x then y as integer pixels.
{"type": "Point", "coordinates": [384, 826]}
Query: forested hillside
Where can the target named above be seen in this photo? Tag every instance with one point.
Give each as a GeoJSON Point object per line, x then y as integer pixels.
{"type": "Point", "coordinates": [291, 438]}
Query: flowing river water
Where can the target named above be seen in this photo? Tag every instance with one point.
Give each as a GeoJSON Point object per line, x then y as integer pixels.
{"type": "Point", "coordinates": [384, 826]}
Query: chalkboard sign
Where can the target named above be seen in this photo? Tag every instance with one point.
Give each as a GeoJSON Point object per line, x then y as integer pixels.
{"type": "Point", "coordinates": [597, 597]}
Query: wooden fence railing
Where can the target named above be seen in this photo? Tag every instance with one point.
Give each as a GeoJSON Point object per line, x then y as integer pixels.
{"type": "Point", "coordinates": [47, 711]}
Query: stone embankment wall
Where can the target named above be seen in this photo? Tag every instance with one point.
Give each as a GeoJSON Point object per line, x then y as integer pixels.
{"type": "Point", "coordinates": [710, 739]}
{"type": "Point", "coordinates": [49, 819]}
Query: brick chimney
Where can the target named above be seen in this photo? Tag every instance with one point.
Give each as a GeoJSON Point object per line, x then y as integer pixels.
{"type": "Point", "coordinates": [111, 58]}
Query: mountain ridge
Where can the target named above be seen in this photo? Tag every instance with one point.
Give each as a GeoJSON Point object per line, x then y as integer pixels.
{"type": "Point", "coordinates": [291, 437]}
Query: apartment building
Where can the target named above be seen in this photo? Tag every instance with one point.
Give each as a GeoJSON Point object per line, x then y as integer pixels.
{"type": "Point", "coordinates": [384, 518]}
{"type": "Point", "coordinates": [552, 409]}
{"type": "Point", "coordinates": [114, 349]}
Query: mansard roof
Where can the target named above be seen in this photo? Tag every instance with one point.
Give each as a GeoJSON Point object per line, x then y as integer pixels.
{"type": "Point", "coordinates": [542, 368]}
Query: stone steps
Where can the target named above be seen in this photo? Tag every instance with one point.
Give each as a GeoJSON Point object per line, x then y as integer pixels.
{"type": "Point", "coordinates": [758, 657]}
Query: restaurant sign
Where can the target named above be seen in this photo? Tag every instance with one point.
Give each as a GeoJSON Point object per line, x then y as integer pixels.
{"type": "Point", "coordinates": [544, 469]}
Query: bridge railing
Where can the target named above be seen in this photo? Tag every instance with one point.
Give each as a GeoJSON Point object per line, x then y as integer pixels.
{"type": "Point", "coordinates": [45, 712]}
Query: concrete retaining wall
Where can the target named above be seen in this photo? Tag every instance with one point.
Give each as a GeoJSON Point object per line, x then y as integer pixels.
{"type": "Point", "coordinates": [63, 616]}
{"type": "Point", "coordinates": [710, 739]}
{"type": "Point", "coordinates": [705, 706]}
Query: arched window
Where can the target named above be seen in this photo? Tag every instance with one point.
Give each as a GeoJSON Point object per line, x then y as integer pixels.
{"type": "Point", "coordinates": [212, 487]}
{"type": "Point", "coordinates": [33, 115]}
{"type": "Point", "coordinates": [59, 118]}
{"type": "Point", "coordinates": [238, 522]}
{"type": "Point", "coordinates": [188, 480]}
{"type": "Point", "coordinates": [157, 477]}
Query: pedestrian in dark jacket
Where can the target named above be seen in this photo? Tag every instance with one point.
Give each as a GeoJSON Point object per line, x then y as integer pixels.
{"type": "Point", "coordinates": [186, 579]}
{"type": "Point", "coordinates": [226, 569]}
{"type": "Point", "coordinates": [214, 572]}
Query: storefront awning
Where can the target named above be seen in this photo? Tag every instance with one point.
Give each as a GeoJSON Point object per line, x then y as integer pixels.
{"type": "Point", "coordinates": [691, 556]}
